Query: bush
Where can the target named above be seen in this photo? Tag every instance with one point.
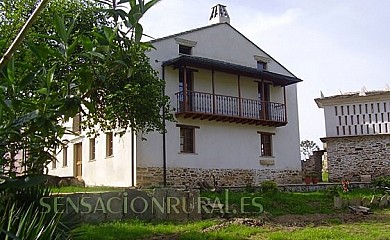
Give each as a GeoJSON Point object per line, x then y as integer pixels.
{"type": "Point", "coordinates": [269, 187]}
{"type": "Point", "coordinates": [22, 216]}
{"type": "Point", "coordinates": [333, 191]}
{"type": "Point", "coordinates": [383, 181]}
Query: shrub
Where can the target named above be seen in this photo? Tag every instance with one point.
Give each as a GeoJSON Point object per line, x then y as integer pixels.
{"type": "Point", "coordinates": [383, 181]}
{"type": "Point", "coordinates": [269, 187]}
{"type": "Point", "coordinates": [333, 191]}
{"type": "Point", "coordinates": [22, 216]}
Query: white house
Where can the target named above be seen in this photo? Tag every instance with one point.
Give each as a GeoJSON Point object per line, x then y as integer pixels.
{"type": "Point", "coordinates": [357, 134]}
{"type": "Point", "coordinates": [236, 118]}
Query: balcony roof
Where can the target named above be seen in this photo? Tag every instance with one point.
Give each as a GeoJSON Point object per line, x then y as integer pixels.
{"type": "Point", "coordinates": [206, 63]}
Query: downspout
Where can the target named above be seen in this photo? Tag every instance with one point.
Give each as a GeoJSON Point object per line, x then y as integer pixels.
{"type": "Point", "coordinates": [132, 159]}
{"type": "Point", "coordinates": [164, 136]}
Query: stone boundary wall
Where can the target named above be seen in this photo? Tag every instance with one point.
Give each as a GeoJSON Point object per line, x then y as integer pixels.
{"type": "Point", "coordinates": [353, 157]}
{"type": "Point", "coordinates": [157, 204]}
{"type": "Point", "coordinates": [190, 177]}
{"type": "Point", "coordinates": [374, 201]}
{"type": "Point", "coordinates": [313, 166]}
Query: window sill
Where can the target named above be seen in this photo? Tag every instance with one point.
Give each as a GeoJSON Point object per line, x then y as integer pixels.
{"type": "Point", "coordinates": [267, 161]}
{"type": "Point", "coordinates": [65, 166]}
{"type": "Point", "coordinates": [108, 157]}
{"type": "Point", "coordinates": [187, 153]}
{"type": "Point", "coordinates": [94, 160]}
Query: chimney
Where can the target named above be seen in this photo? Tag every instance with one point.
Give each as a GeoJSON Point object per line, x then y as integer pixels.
{"type": "Point", "coordinates": [219, 14]}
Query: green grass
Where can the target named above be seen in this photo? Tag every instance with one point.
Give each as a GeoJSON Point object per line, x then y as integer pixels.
{"type": "Point", "coordinates": [138, 229]}
{"type": "Point", "coordinates": [362, 192]}
{"type": "Point", "coordinates": [325, 176]}
{"type": "Point", "coordinates": [352, 231]}
{"type": "Point", "coordinates": [280, 203]}
{"type": "Point", "coordinates": [375, 230]}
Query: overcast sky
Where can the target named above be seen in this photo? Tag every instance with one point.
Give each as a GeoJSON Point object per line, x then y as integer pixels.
{"type": "Point", "coordinates": [332, 45]}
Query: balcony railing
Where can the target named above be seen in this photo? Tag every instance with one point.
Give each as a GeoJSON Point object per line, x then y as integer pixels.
{"type": "Point", "coordinates": [228, 108]}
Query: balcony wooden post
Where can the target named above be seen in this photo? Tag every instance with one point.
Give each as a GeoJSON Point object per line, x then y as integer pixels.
{"type": "Point", "coordinates": [185, 100]}
{"type": "Point", "coordinates": [239, 96]}
{"type": "Point", "coordinates": [263, 106]}
{"type": "Point", "coordinates": [285, 103]}
{"type": "Point", "coordinates": [213, 89]}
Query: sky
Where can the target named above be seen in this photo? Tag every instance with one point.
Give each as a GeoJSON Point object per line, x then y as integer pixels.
{"type": "Point", "coordinates": [334, 46]}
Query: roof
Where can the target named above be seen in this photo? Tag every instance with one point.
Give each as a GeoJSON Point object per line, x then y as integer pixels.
{"type": "Point", "coordinates": [216, 24]}
{"type": "Point", "coordinates": [212, 64]}
{"type": "Point", "coordinates": [185, 32]}
{"type": "Point", "coordinates": [350, 97]}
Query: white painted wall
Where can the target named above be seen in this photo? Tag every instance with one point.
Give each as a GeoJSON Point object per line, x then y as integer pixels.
{"type": "Point", "coordinates": [102, 171]}
{"type": "Point", "coordinates": [222, 145]}
{"type": "Point", "coordinates": [376, 120]}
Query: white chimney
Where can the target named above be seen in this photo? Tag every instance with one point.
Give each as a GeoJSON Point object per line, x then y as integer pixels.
{"type": "Point", "coordinates": [219, 14]}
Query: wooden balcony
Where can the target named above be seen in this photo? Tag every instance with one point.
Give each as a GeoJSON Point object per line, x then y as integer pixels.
{"type": "Point", "coordinates": [214, 107]}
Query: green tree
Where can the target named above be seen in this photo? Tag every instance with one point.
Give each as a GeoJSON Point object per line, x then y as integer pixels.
{"type": "Point", "coordinates": [87, 59]}
{"type": "Point", "coordinates": [79, 56]}
{"type": "Point", "coordinates": [307, 148]}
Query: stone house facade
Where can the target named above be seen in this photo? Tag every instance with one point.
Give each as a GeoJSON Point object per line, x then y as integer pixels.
{"type": "Point", "coordinates": [358, 134]}
{"type": "Point", "coordinates": [236, 118]}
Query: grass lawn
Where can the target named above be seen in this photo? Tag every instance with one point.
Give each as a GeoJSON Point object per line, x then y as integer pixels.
{"type": "Point", "coordinates": [372, 228]}
{"type": "Point", "coordinates": [310, 216]}
{"type": "Point", "coordinates": [280, 203]}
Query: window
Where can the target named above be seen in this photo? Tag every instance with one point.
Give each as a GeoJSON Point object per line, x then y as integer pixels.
{"type": "Point", "coordinates": [185, 49]}
{"type": "Point", "coordinates": [261, 66]}
{"type": "Point", "coordinates": [76, 126]}
{"type": "Point", "coordinates": [65, 156]}
{"type": "Point", "coordinates": [187, 139]}
{"type": "Point", "coordinates": [342, 110]}
{"type": "Point", "coordinates": [54, 164]}
{"type": "Point", "coordinates": [92, 149]}
{"type": "Point", "coordinates": [347, 110]}
{"type": "Point", "coordinates": [335, 110]}
{"type": "Point", "coordinates": [266, 144]}
{"type": "Point", "coordinates": [109, 144]}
